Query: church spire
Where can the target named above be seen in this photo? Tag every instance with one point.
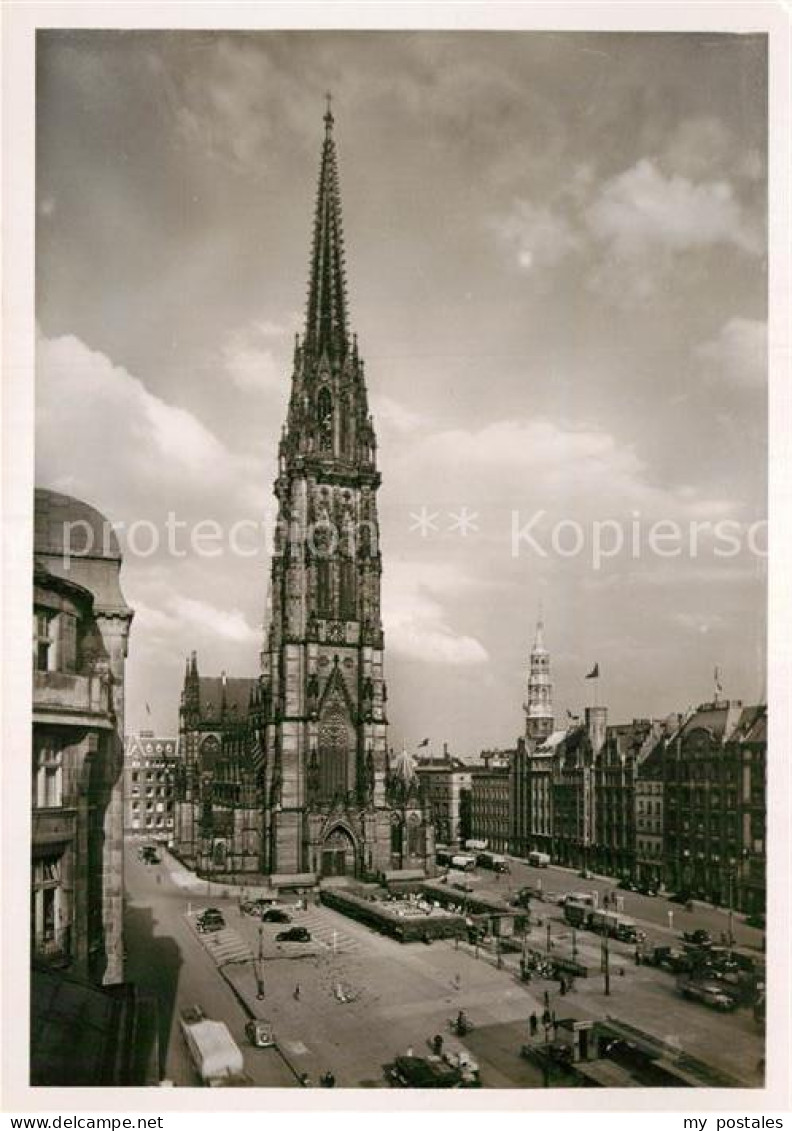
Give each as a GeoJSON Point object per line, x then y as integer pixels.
{"type": "Point", "coordinates": [326, 326]}
{"type": "Point", "coordinates": [539, 704]}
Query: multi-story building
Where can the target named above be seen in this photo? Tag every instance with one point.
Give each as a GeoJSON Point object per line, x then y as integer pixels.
{"type": "Point", "coordinates": [149, 770]}
{"type": "Point", "coordinates": [626, 746]}
{"type": "Point", "coordinates": [80, 631]}
{"type": "Point", "coordinates": [489, 799]}
{"type": "Point", "coordinates": [446, 783]}
{"type": "Point", "coordinates": [649, 864]}
{"type": "Point", "coordinates": [573, 794]}
{"type": "Point", "coordinates": [714, 804]}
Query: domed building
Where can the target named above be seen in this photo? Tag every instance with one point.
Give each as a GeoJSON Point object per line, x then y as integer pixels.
{"type": "Point", "coordinates": [80, 634]}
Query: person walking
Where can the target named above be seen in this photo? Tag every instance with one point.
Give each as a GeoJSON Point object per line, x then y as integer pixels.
{"type": "Point", "coordinates": [533, 1024]}
{"type": "Point", "coordinates": [296, 994]}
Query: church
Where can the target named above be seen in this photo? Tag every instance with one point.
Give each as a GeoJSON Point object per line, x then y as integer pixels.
{"type": "Point", "coordinates": [308, 775]}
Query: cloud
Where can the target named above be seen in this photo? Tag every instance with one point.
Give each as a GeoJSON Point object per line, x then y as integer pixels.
{"type": "Point", "coordinates": [255, 357]}
{"type": "Point", "coordinates": [416, 623]}
{"type": "Point", "coordinates": [391, 414]}
{"type": "Point", "coordinates": [642, 209]}
{"type": "Point", "coordinates": [537, 235]}
{"type": "Point", "coordinates": [568, 470]}
{"type": "Point", "coordinates": [737, 354]}
{"type": "Point", "coordinates": [92, 414]}
{"type": "Point", "coordinates": [230, 624]}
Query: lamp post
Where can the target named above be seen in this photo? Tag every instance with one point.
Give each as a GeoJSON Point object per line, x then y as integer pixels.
{"type": "Point", "coordinates": [260, 965]}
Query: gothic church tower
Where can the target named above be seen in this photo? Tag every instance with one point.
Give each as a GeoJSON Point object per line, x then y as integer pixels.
{"type": "Point", "coordinates": [324, 742]}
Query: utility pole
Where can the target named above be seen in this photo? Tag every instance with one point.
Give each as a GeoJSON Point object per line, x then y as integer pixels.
{"type": "Point", "coordinates": [606, 963]}
{"type": "Point", "coordinates": [548, 937]}
{"type": "Point", "coordinates": [731, 909]}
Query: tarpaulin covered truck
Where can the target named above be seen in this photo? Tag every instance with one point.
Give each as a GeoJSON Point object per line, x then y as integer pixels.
{"type": "Point", "coordinates": [216, 1055]}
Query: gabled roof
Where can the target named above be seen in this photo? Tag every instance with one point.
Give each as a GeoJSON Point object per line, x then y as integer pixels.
{"type": "Point", "coordinates": [237, 694]}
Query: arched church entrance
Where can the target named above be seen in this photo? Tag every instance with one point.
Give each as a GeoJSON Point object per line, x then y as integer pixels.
{"type": "Point", "coordinates": [338, 853]}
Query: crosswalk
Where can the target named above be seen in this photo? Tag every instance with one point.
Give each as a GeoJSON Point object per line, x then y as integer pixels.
{"type": "Point", "coordinates": [322, 931]}
{"type": "Point", "coordinates": [226, 946]}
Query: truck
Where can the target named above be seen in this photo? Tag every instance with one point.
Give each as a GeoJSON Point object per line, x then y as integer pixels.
{"type": "Point", "coordinates": [538, 859]}
{"type": "Point", "coordinates": [614, 925]}
{"type": "Point", "coordinates": [215, 1054]}
{"type": "Point", "coordinates": [492, 860]}
{"type": "Point", "coordinates": [463, 862]}
{"type": "Point", "coordinates": [576, 913]}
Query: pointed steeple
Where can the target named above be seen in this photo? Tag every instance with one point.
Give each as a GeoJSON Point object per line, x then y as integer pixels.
{"type": "Point", "coordinates": [326, 326]}
{"type": "Point", "coordinates": [539, 703]}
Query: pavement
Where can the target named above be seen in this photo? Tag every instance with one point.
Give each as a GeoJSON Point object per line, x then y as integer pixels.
{"type": "Point", "coordinates": [355, 1000]}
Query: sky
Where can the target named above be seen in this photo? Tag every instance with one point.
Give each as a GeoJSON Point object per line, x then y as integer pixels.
{"type": "Point", "coordinates": [556, 252]}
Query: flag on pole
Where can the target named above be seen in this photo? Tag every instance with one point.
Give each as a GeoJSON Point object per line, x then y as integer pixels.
{"type": "Point", "coordinates": [718, 685]}
{"type": "Point", "coordinates": [148, 709]}
{"type": "Point", "coordinates": [424, 743]}
{"type": "Point", "coordinates": [594, 673]}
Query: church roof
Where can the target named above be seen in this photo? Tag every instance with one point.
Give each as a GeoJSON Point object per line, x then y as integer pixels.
{"type": "Point", "coordinates": [237, 694]}
{"type": "Point", "coordinates": [326, 325]}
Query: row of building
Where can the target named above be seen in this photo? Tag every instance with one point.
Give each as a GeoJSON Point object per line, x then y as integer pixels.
{"type": "Point", "coordinates": [675, 803]}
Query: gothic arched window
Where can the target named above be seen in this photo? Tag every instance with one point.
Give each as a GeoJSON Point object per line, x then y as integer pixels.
{"type": "Point", "coordinates": [334, 750]}
{"type": "Point", "coordinates": [347, 431]}
{"type": "Point", "coordinates": [348, 589]}
{"type": "Point", "coordinates": [324, 418]}
{"type": "Point", "coordinates": [324, 588]}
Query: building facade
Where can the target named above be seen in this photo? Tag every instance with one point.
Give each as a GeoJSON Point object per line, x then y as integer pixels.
{"type": "Point", "coordinates": [446, 784]}
{"type": "Point", "coordinates": [81, 627]}
{"type": "Point", "coordinates": [217, 789]}
{"type": "Point", "coordinates": [714, 806]}
{"type": "Point", "coordinates": [490, 800]}
{"type": "Point", "coordinates": [149, 773]}
{"type": "Point", "coordinates": [649, 863]}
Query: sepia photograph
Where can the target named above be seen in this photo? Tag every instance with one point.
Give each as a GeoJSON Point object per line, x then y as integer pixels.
{"type": "Point", "coordinates": [399, 560]}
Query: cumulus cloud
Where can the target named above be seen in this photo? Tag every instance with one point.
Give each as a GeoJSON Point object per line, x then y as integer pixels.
{"type": "Point", "coordinates": [538, 235]}
{"type": "Point", "coordinates": [391, 414]}
{"type": "Point", "coordinates": [737, 353]}
{"type": "Point", "coordinates": [91, 413]}
{"type": "Point", "coordinates": [255, 357]}
{"type": "Point", "coordinates": [642, 209]}
{"type": "Point", "coordinates": [544, 463]}
{"type": "Point", "coordinates": [230, 624]}
{"type": "Point", "coordinates": [417, 624]}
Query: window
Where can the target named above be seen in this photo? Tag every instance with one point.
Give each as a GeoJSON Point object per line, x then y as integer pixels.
{"type": "Point", "coordinates": [45, 625]}
{"type": "Point", "coordinates": [48, 778]}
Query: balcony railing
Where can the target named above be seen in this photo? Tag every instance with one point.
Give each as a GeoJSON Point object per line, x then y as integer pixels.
{"type": "Point", "coordinates": [63, 691]}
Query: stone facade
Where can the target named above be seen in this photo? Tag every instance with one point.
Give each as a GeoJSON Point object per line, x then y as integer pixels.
{"type": "Point", "coordinates": [446, 785]}
{"type": "Point", "coordinates": [489, 799]}
{"type": "Point", "coordinates": [325, 775]}
{"type": "Point", "coordinates": [715, 805]}
{"type": "Point", "coordinates": [149, 772]}
{"type": "Point", "coordinates": [80, 633]}
{"type": "Point", "coordinates": [218, 800]}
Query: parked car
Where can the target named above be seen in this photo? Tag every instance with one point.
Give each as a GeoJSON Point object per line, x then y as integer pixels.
{"type": "Point", "coordinates": [756, 921]}
{"type": "Point", "coordinates": [645, 889]}
{"type": "Point", "coordinates": [680, 897]}
{"type": "Point", "coordinates": [698, 938]}
{"type": "Point", "coordinates": [274, 915]}
{"type": "Point", "coordinates": [210, 920]}
{"type": "Point", "coordinates": [259, 1033]}
{"type": "Point", "coordinates": [627, 885]}
{"type": "Point", "coordinates": [148, 854]}
{"type": "Point", "coordinates": [257, 906]}
{"type": "Point", "coordinates": [294, 934]}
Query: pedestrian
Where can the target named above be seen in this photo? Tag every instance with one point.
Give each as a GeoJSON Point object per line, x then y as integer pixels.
{"type": "Point", "coordinates": [637, 956]}
{"type": "Point", "coordinates": [533, 1023]}
{"type": "Point", "coordinates": [563, 987]}
{"type": "Point", "coordinates": [437, 1044]}
{"type": "Point", "coordinates": [457, 981]}
{"type": "Point", "coordinates": [546, 1001]}
{"type": "Point", "coordinates": [297, 992]}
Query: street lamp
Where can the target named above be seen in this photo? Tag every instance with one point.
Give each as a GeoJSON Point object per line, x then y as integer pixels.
{"type": "Point", "coordinates": [260, 965]}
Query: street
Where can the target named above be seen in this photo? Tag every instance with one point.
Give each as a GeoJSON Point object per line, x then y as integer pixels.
{"type": "Point", "coordinates": [165, 956]}
{"type": "Point", "coordinates": [354, 1000]}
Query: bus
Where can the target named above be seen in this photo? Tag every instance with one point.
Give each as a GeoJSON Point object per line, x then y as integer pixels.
{"type": "Point", "coordinates": [538, 859]}
{"type": "Point", "coordinates": [492, 860]}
